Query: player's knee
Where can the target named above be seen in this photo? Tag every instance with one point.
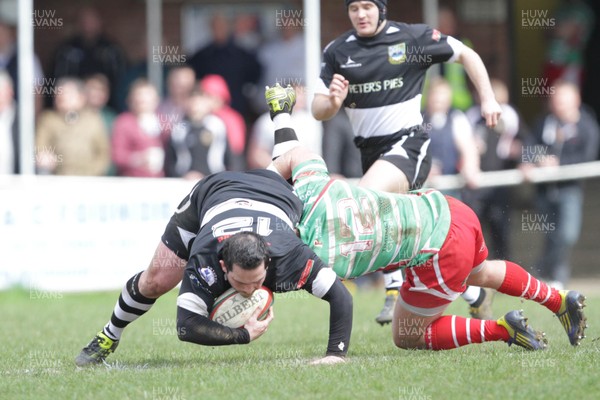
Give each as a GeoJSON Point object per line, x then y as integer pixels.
{"type": "Point", "coordinates": [408, 342]}
{"type": "Point", "coordinates": [157, 280]}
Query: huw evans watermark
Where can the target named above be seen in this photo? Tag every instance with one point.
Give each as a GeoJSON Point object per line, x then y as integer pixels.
{"type": "Point", "coordinates": [46, 19]}
{"type": "Point", "coordinates": [537, 19]}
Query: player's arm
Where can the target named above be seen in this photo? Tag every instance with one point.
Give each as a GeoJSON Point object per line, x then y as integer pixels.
{"type": "Point", "coordinates": [315, 277]}
{"type": "Point", "coordinates": [443, 48]}
{"type": "Point", "coordinates": [340, 318]}
{"type": "Point", "coordinates": [331, 90]}
{"type": "Point", "coordinates": [326, 104]}
{"type": "Point", "coordinates": [193, 324]}
{"type": "Point", "coordinates": [196, 328]}
{"type": "Point", "coordinates": [475, 68]}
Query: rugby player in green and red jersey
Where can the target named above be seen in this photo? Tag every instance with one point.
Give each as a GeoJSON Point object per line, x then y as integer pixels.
{"type": "Point", "coordinates": [436, 238]}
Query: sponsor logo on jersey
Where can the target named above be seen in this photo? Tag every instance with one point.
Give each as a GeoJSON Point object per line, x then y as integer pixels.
{"type": "Point", "coordinates": [194, 280]}
{"type": "Point", "coordinates": [397, 53]}
{"type": "Point", "coordinates": [376, 86]}
{"type": "Point", "coordinates": [356, 247]}
{"type": "Point", "coordinates": [436, 35]}
{"type": "Point", "coordinates": [350, 63]}
{"type": "Point", "coordinates": [209, 275]}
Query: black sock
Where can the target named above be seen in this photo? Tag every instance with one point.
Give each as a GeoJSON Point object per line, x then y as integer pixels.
{"type": "Point", "coordinates": [130, 306]}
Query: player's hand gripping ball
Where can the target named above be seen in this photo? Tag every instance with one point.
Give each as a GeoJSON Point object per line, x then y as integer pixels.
{"type": "Point", "coordinates": [234, 310]}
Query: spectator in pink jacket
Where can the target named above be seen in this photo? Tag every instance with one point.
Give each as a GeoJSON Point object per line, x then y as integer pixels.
{"type": "Point", "coordinates": [138, 135]}
{"type": "Point", "coordinates": [216, 89]}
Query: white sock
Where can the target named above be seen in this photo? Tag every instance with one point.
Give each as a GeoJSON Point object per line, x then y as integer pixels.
{"type": "Point", "coordinates": [393, 280]}
{"type": "Point", "coordinates": [283, 120]}
{"type": "Point", "coordinates": [471, 294]}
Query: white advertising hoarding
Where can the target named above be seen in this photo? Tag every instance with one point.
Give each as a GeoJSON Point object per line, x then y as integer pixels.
{"type": "Point", "coordinates": [80, 233]}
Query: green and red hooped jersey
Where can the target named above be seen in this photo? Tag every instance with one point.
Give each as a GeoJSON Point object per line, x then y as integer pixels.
{"type": "Point", "coordinates": [356, 230]}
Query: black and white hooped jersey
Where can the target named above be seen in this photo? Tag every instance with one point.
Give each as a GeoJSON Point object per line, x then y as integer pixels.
{"type": "Point", "coordinates": [386, 74]}
{"type": "Point", "coordinates": [260, 201]}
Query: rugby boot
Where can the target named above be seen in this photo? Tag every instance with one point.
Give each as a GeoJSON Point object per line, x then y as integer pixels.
{"type": "Point", "coordinates": [280, 100]}
{"type": "Point", "coordinates": [96, 351]}
{"type": "Point", "coordinates": [571, 315]}
{"type": "Point", "coordinates": [522, 334]}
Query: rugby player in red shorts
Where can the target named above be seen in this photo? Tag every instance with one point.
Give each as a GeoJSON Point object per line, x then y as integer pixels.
{"type": "Point", "coordinates": [437, 239]}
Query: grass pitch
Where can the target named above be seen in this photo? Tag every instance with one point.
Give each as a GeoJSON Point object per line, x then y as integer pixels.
{"type": "Point", "coordinates": [42, 333]}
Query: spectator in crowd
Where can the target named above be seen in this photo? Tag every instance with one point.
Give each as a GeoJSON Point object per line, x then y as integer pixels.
{"type": "Point", "coordinates": [137, 69]}
{"type": "Point", "coordinates": [568, 134]}
{"type": "Point", "coordinates": [9, 57]}
{"type": "Point", "coordinates": [138, 135]}
{"type": "Point", "coordinates": [499, 148]}
{"type": "Point", "coordinates": [246, 32]}
{"type": "Point", "coordinates": [90, 51]}
{"type": "Point", "coordinates": [339, 152]}
{"type": "Point", "coordinates": [453, 147]}
{"type": "Point", "coordinates": [216, 89]}
{"type": "Point", "coordinates": [574, 22]}
{"type": "Point", "coordinates": [222, 56]}
{"type": "Point", "coordinates": [197, 145]}
{"type": "Point", "coordinates": [181, 82]}
{"type": "Point", "coordinates": [260, 148]}
{"type": "Point", "coordinates": [97, 93]}
{"type": "Point", "coordinates": [71, 139]}
{"type": "Point", "coordinates": [9, 134]}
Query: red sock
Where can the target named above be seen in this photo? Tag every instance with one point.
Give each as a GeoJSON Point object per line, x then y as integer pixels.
{"type": "Point", "coordinates": [451, 331]}
{"type": "Point", "coordinates": [519, 283]}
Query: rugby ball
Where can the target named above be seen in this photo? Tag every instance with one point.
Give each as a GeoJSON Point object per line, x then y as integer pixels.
{"type": "Point", "coordinates": [234, 310]}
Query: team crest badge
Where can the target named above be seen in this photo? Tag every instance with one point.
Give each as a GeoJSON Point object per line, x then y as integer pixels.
{"type": "Point", "coordinates": [397, 53]}
{"type": "Point", "coordinates": [209, 275]}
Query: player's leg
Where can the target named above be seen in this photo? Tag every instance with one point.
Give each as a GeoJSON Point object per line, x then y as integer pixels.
{"type": "Point", "coordinates": [141, 290]}
{"type": "Point", "coordinates": [386, 177]}
{"type": "Point", "coordinates": [480, 301]}
{"type": "Point", "coordinates": [511, 279]}
{"type": "Point", "coordinates": [392, 281]}
{"type": "Point", "coordinates": [413, 330]}
{"type": "Point", "coordinates": [428, 290]}
{"type": "Point", "coordinates": [137, 297]}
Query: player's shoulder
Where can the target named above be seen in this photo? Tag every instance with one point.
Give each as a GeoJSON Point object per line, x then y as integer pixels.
{"type": "Point", "coordinates": [344, 39]}
{"type": "Point", "coordinates": [403, 28]}
{"type": "Point", "coordinates": [205, 276]}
